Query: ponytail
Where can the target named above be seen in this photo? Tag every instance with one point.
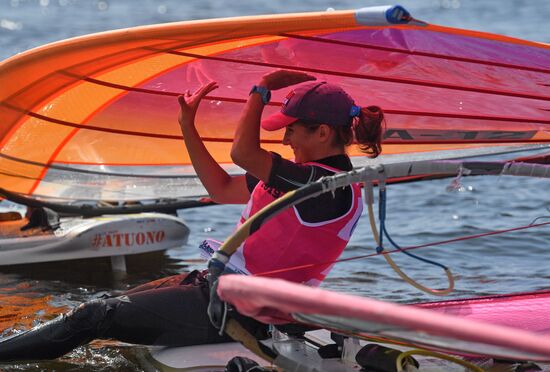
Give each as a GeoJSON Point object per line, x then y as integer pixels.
{"type": "Point", "coordinates": [365, 125]}
{"type": "Point", "coordinates": [368, 130]}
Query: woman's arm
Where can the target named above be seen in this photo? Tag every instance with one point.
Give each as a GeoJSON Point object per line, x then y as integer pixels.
{"type": "Point", "coordinates": [222, 187]}
{"type": "Point", "coordinates": [246, 151]}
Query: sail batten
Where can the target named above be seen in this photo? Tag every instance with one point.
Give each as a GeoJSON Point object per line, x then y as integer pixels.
{"type": "Point", "coordinates": [420, 53]}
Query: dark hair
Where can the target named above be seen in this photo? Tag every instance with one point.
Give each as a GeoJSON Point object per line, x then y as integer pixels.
{"type": "Point", "coordinates": [367, 129]}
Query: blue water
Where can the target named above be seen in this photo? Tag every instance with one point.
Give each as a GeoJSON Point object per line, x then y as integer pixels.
{"type": "Point", "coordinates": [417, 213]}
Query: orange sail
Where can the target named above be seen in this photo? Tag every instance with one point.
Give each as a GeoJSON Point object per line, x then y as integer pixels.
{"type": "Point", "coordinates": [94, 117]}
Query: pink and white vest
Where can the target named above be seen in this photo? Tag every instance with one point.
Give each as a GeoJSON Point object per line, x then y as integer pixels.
{"type": "Point", "coordinates": [287, 241]}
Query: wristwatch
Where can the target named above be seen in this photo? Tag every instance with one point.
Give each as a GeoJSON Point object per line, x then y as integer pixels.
{"type": "Point", "coordinates": [263, 92]}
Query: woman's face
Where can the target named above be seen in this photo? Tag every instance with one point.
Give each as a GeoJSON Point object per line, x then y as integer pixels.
{"type": "Point", "coordinates": [302, 140]}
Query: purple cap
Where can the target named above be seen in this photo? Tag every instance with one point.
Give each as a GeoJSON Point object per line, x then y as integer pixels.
{"type": "Point", "coordinates": [317, 102]}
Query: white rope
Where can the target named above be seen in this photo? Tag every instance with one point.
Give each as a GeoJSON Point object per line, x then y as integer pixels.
{"type": "Point", "coordinates": [224, 319]}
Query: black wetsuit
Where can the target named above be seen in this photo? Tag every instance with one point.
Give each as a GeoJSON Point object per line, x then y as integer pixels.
{"type": "Point", "coordinates": [170, 311]}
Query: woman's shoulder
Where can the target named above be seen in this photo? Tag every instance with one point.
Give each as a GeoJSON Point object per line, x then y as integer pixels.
{"type": "Point", "coordinates": [334, 163]}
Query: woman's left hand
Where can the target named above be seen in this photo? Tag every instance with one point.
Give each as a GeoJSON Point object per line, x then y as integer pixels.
{"type": "Point", "coordinates": [283, 78]}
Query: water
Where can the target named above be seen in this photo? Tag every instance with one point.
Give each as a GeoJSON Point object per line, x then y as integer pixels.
{"type": "Point", "coordinates": [417, 213]}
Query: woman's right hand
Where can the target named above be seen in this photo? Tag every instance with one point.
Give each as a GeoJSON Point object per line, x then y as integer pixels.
{"type": "Point", "coordinates": [189, 103]}
{"type": "Point", "coordinates": [283, 78]}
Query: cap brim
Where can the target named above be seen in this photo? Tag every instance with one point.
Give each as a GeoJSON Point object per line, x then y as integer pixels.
{"type": "Point", "coordinates": [277, 121]}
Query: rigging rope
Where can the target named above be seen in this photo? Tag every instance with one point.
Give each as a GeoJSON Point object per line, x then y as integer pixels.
{"type": "Point", "coordinates": [404, 355]}
{"type": "Point", "coordinates": [369, 200]}
{"type": "Point", "coordinates": [442, 242]}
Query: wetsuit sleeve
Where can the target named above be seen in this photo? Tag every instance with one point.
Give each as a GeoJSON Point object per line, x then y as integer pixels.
{"type": "Point", "coordinates": [251, 182]}
{"type": "Point", "coordinates": [286, 175]}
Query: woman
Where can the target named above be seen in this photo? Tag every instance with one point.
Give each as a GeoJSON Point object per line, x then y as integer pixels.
{"type": "Point", "coordinates": [320, 120]}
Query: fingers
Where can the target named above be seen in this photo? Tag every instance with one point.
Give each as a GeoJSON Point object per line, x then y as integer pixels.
{"type": "Point", "coordinates": [299, 75]}
{"type": "Point", "coordinates": [190, 100]}
{"type": "Point", "coordinates": [181, 100]}
{"type": "Point", "coordinates": [289, 74]}
{"type": "Point", "coordinates": [284, 78]}
{"type": "Point", "coordinates": [206, 88]}
{"type": "Point", "coordinates": [308, 77]}
{"type": "Point", "coordinates": [300, 78]}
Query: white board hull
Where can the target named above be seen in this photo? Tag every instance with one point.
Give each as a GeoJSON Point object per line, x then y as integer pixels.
{"type": "Point", "coordinates": [200, 358]}
{"type": "Point", "coordinates": [105, 236]}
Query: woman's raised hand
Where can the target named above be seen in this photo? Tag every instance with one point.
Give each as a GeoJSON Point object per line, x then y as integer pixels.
{"type": "Point", "coordinates": [189, 103]}
{"type": "Point", "coordinates": [283, 78]}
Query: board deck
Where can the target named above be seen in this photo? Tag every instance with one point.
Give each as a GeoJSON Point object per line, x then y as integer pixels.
{"type": "Point", "coordinates": [296, 355]}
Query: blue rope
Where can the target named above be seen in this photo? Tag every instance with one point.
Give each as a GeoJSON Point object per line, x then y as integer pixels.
{"type": "Point", "coordinates": [382, 219]}
{"type": "Point", "coordinates": [384, 232]}
{"type": "Point", "coordinates": [411, 254]}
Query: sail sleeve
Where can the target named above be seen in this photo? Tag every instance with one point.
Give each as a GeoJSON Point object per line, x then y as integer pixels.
{"type": "Point", "coordinates": [276, 301]}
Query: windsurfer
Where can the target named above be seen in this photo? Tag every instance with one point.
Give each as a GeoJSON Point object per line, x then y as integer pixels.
{"type": "Point", "coordinates": [320, 120]}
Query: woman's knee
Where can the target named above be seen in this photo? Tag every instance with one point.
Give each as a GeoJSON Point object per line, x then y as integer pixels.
{"type": "Point", "coordinates": [92, 315]}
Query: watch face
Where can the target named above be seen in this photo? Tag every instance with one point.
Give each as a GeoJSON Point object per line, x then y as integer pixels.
{"type": "Point", "coordinates": [263, 92]}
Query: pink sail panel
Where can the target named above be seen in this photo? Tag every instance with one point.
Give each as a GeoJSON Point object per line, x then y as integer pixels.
{"type": "Point", "coordinates": [273, 300]}
{"type": "Point", "coordinates": [528, 311]}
